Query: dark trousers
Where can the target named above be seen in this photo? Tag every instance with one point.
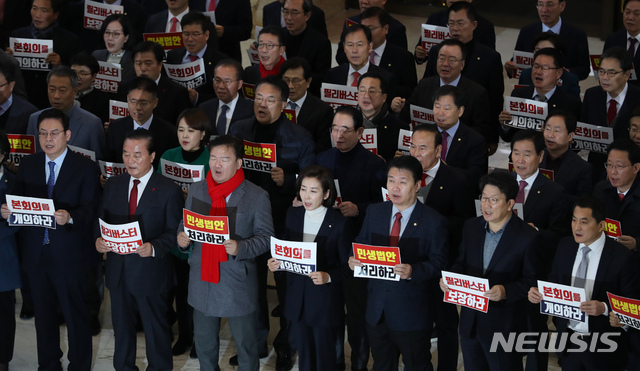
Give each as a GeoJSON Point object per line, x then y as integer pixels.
{"type": "Point", "coordinates": [388, 344]}
{"type": "Point", "coordinates": [154, 314]}
{"type": "Point", "coordinates": [262, 332]}
{"type": "Point", "coordinates": [536, 322]}
{"type": "Point", "coordinates": [316, 346]}
{"type": "Point", "coordinates": [55, 292]}
{"type": "Point", "coordinates": [355, 298]}
{"type": "Point", "coordinates": [184, 311]}
{"type": "Point", "coordinates": [446, 325]}
{"type": "Point", "coordinates": [7, 325]}
{"type": "Point", "coordinates": [477, 357]}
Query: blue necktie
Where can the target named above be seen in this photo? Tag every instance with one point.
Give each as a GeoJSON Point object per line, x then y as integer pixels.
{"type": "Point", "coordinates": [222, 120]}
{"type": "Point", "coordinates": [50, 183]}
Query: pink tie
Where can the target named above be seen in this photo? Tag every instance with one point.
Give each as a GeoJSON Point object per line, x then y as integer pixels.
{"type": "Point", "coordinates": [372, 57]}
{"type": "Point", "coordinates": [174, 25]}
{"type": "Point", "coordinates": [520, 196]}
{"type": "Point", "coordinates": [445, 145]}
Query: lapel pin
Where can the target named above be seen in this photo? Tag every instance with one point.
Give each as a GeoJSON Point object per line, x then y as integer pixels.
{"type": "Point", "coordinates": [441, 187]}
{"type": "Point", "coordinates": [538, 192]}
{"type": "Point", "coordinates": [459, 139]}
{"type": "Point", "coordinates": [329, 225]}
{"type": "Point", "coordinates": [415, 224]}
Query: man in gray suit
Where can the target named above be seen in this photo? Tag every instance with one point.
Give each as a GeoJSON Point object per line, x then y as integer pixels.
{"type": "Point", "coordinates": [223, 280]}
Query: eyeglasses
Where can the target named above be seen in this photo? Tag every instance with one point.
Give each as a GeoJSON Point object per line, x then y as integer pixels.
{"type": "Point", "coordinates": [269, 100]}
{"type": "Point", "coordinates": [543, 67]}
{"type": "Point", "coordinates": [372, 92]}
{"type": "Point", "coordinates": [293, 13]}
{"type": "Point", "coordinates": [294, 81]}
{"type": "Point", "coordinates": [340, 131]}
{"type": "Point", "coordinates": [609, 73]}
{"type": "Point", "coordinates": [493, 201]}
{"type": "Point", "coordinates": [53, 133]}
{"type": "Point", "coordinates": [134, 102]}
{"type": "Point", "coordinates": [265, 45]}
{"type": "Point", "coordinates": [115, 35]}
{"type": "Point", "coordinates": [187, 35]}
{"type": "Point", "coordinates": [616, 167]}
{"type": "Point", "coordinates": [227, 82]}
{"type": "Point", "coordinates": [451, 60]}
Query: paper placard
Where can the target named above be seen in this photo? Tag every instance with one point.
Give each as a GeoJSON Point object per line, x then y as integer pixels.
{"type": "Point", "coordinates": [612, 228]}
{"type": "Point", "coordinates": [109, 169]}
{"type": "Point", "coordinates": [295, 257]}
{"type": "Point", "coordinates": [522, 61]}
{"type": "Point", "coordinates": [593, 138]}
{"type": "Point", "coordinates": [369, 140]}
{"type": "Point", "coordinates": [205, 228]}
{"type": "Point", "coordinates": [626, 309]}
{"type": "Point", "coordinates": [109, 77]}
{"type": "Point", "coordinates": [527, 113]}
{"type": "Point", "coordinates": [467, 291]}
{"type": "Point", "coordinates": [31, 212]}
{"type": "Point", "coordinates": [404, 141]}
{"type": "Point", "coordinates": [95, 13]}
{"type": "Point", "coordinates": [21, 145]}
{"type": "Point", "coordinates": [254, 57]}
{"type": "Point", "coordinates": [378, 262]}
{"type": "Point", "coordinates": [290, 114]}
{"type": "Point", "coordinates": [118, 110]}
{"type": "Point", "coordinates": [339, 95]}
{"type": "Point", "coordinates": [421, 115]}
{"type": "Point", "coordinates": [190, 75]}
{"type": "Point", "coordinates": [122, 239]}
{"type": "Point", "coordinates": [433, 35]}
{"type": "Point", "coordinates": [30, 53]}
{"type": "Point", "coordinates": [249, 91]}
{"type": "Point", "coordinates": [168, 40]}
{"type": "Point", "coordinates": [91, 155]}
{"type": "Point", "coordinates": [259, 156]}
{"type": "Point", "coordinates": [562, 301]}
{"type": "Point", "coordinates": [338, 194]}
{"type": "Point", "coordinates": [182, 174]}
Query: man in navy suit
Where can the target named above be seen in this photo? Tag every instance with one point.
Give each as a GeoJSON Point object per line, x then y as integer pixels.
{"type": "Point", "coordinates": [227, 81]}
{"type": "Point", "coordinates": [139, 283]}
{"type": "Point", "coordinates": [598, 264]}
{"type": "Point", "coordinates": [272, 16]}
{"type": "Point", "coordinates": [629, 38]}
{"type": "Point", "coordinates": [58, 260]}
{"type": "Point", "coordinates": [502, 248]}
{"type": "Point", "coordinates": [15, 112]}
{"type": "Point", "coordinates": [398, 317]}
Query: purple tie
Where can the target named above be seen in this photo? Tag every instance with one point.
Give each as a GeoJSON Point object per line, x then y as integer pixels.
{"type": "Point", "coordinates": [520, 197]}
{"type": "Point", "coordinates": [445, 145]}
{"type": "Point", "coordinates": [632, 46]}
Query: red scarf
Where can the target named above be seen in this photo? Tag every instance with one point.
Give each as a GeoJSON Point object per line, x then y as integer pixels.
{"type": "Point", "coordinates": [213, 255]}
{"type": "Point", "coordinates": [275, 71]}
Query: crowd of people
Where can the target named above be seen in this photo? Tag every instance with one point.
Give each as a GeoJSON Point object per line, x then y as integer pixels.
{"type": "Point", "coordinates": [548, 218]}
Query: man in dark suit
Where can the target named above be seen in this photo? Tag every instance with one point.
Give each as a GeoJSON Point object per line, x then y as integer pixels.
{"type": "Point", "coordinates": [142, 99]}
{"type": "Point", "coordinates": [270, 49]}
{"type": "Point", "coordinates": [398, 317]}
{"type": "Point", "coordinates": [621, 191]}
{"type": "Point", "coordinates": [57, 260]}
{"type": "Point", "coordinates": [172, 98]}
{"type": "Point", "coordinates": [139, 282]}
{"type": "Point", "coordinates": [462, 147]}
{"type": "Point", "coordinates": [227, 81]}
{"type": "Point", "coordinates": [569, 169]}
{"type": "Point", "coordinates": [598, 264]}
{"type": "Point", "coordinates": [305, 42]}
{"type": "Point", "coordinates": [574, 38]}
{"type": "Point", "coordinates": [44, 25]}
{"type": "Point", "coordinates": [272, 16]}
{"type": "Point", "coordinates": [446, 191]}
{"type": "Point", "coordinates": [546, 71]}
{"type": "Point", "coordinates": [91, 98]}
{"type": "Point", "coordinates": [397, 31]}
{"type": "Point", "coordinates": [502, 248]}
{"type": "Point", "coordinates": [195, 36]}
{"type": "Point", "coordinates": [311, 113]}
{"type": "Point", "coordinates": [15, 111]}
{"type": "Point", "coordinates": [392, 58]}
{"type": "Point", "coordinates": [629, 37]}
{"type": "Point", "coordinates": [482, 64]}
{"type": "Point", "coordinates": [360, 175]}
{"type": "Point", "coordinates": [162, 21]}
{"type": "Point", "coordinates": [611, 103]}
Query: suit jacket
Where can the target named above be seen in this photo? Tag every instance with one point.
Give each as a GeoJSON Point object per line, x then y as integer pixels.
{"type": "Point", "coordinates": [316, 49]}
{"type": "Point", "coordinates": [86, 130]}
{"type": "Point", "coordinates": [577, 55]}
{"type": "Point", "coordinates": [570, 82]}
{"type": "Point", "coordinates": [9, 263]}
{"type": "Point", "coordinates": [485, 32]}
{"type": "Point", "coordinates": [387, 127]}
{"type": "Point", "coordinates": [617, 273]}
{"type": "Point", "coordinates": [468, 152]}
{"type": "Point", "coordinates": [272, 12]}
{"type": "Point", "coordinates": [620, 39]}
{"type": "Point", "coordinates": [626, 212]}
{"type": "Point", "coordinates": [16, 119]}
{"type": "Point", "coordinates": [16, 15]}
{"type": "Point", "coordinates": [574, 174]}
{"type": "Point", "coordinates": [236, 294]}
{"type": "Point", "coordinates": [474, 99]}
{"type": "Point", "coordinates": [77, 190]}
{"type": "Point", "coordinates": [157, 23]}
{"type": "Point", "coordinates": [126, 63]}
{"type": "Point", "coordinates": [340, 75]}
{"type": "Point", "coordinates": [172, 98]}
{"type": "Point", "coordinates": [515, 265]}
{"type": "Point", "coordinates": [243, 110]}
{"type": "Point", "coordinates": [484, 66]}
{"type": "Point", "coordinates": [360, 174]}
{"type": "Point", "coordinates": [320, 306]}
{"type": "Point", "coordinates": [317, 117]}
{"type": "Point", "coordinates": [559, 100]}
{"type": "Point", "coordinates": [399, 62]}
{"type": "Point", "coordinates": [164, 136]}
{"type": "Point", "coordinates": [397, 35]}
{"type": "Point", "coordinates": [211, 59]}
{"type": "Point", "coordinates": [405, 304]}
{"type": "Point", "coordinates": [97, 103]}
{"type": "Point", "coordinates": [159, 212]}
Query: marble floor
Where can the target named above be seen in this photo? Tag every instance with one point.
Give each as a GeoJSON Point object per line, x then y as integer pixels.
{"type": "Point", "coordinates": [25, 350]}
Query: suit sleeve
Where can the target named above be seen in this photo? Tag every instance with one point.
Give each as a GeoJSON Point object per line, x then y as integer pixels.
{"type": "Point", "coordinates": [531, 271]}
{"type": "Point", "coordinates": [345, 235]}
{"type": "Point", "coordinates": [84, 215]}
{"type": "Point", "coordinates": [305, 159]}
{"type": "Point", "coordinates": [583, 66]}
{"type": "Point", "coordinates": [259, 242]}
{"type": "Point", "coordinates": [174, 202]}
{"type": "Point", "coordinates": [437, 242]}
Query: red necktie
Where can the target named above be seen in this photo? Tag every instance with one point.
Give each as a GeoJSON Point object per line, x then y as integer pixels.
{"type": "Point", "coordinates": [632, 46]}
{"type": "Point", "coordinates": [424, 179]}
{"type": "Point", "coordinates": [372, 56]}
{"type": "Point", "coordinates": [520, 196]}
{"type": "Point", "coordinates": [621, 196]}
{"type": "Point", "coordinates": [193, 57]}
{"type": "Point", "coordinates": [133, 199]}
{"type": "Point", "coordinates": [356, 76]}
{"type": "Point", "coordinates": [445, 145]}
{"type": "Point", "coordinates": [612, 112]}
{"type": "Point", "coordinates": [395, 231]}
{"type": "Point", "coordinates": [212, 6]}
{"type": "Point", "coordinates": [174, 25]}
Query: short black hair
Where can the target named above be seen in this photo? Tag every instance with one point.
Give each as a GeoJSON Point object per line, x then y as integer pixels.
{"type": "Point", "coordinates": [6, 69]}
{"type": "Point", "coordinates": [455, 42]}
{"type": "Point", "coordinates": [277, 83]}
{"type": "Point", "coordinates": [358, 27]}
{"type": "Point", "coordinates": [56, 114]}
{"type": "Point", "coordinates": [376, 12]}
{"type": "Point", "coordinates": [325, 178]}
{"type": "Point", "coordinates": [150, 46]}
{"type": "Point", "coordinates": [634, 113]}
{"type": "Point", "coordinates": [626, 145]}
{"type": "Point", "coordinates": [472, 15]}
{"type": "Point", "coordinates": [193, 18]}
{"type": "Point", "coordinates": [558, 58]}
{"type": "Point", "coordinates": [142, 134]}
{"type": "Point", "coordinates": [429, 128]}
{"type": "Point", "coordinates": [124, 22]}
{"type": "Point", "coordinates": [230, 141]}
{"type": "Point", "coordinates": [233, 64]}
{"type": "Point", "coordinates": [355, 115]}
{"type": "Point", "coordinates": [621, 55]}
{"type": "Point", "coordinates": [145, 84]}
{"type": "Point", "coordinates": [85, 59]}
{"type": "Point", "coordinates": [551, 37]}
{"type": "Point", "coordinates": [56, 5]}
{"type": "Point", "coordinates": [196, 119]}
{"type": "Point", "coordinates": [626, 2]}
{"type": "Point", "coordinates": [408, 163]}
{"type": "Point", "coordinates": [5, 147]}
{"type": "Point", "coordinates": [306, 5]}
{"type": "Point", "coordinates": [296, 62]}
{"type": "Point", "coordinates": [273, 30]}
{"type": "Point", "coordinates": [570, 121]}
{"type": "Point", "coordinates": [64, 71]}
{"type": "Point", "coordinates": [449, 90]}
{"type": "Point", "coordinates": [598, 208]}
{"type": "Point", "coordinates": [375, 75]}
{"type": "Point", "coordinates": [533, 136]}
{"type": "Point", "coordinates": [501, 179]}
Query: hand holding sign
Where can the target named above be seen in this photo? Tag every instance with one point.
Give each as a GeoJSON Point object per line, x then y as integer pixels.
{"type": "Point", "coordinates": [348, 209]}
{"type": "Point", "coordinates": [5, 211]}
{"type": "Point", "coordinates": [534, 295]}
{"type": "Point", "coordinates": [628, 242]}
{"type": "Point", "coordinates": [397, 104]}
{"type": "Point", "coordinates": [183, 239]}
{"type": "Point", "coordinates": [54, 59]}
{"type": "Point", "coordinates": [277, 175]}
{"type": "Point", "coordinates": [101, 246]}
{"type": "Point", "coordinates": [145, 250]}
{"type": "Point", "coordinates": [593, 307]}
{"type": "Point", "coordinates": [62, 216]}
{"type": "Point", "coordinates": [496, 293]}
{"type": "Point", "coordinates": [231, 246]}
{"type": "Point", "coordinates": [273, 264]}
{"type": "Point", "coordinates": [403, 270]}
{"type": "Point", "coordinates": [319, 278]}
{"type": "Point", "coordinates": [353, 262]}
{"type": "Point", "coordinates": [614, 321]}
